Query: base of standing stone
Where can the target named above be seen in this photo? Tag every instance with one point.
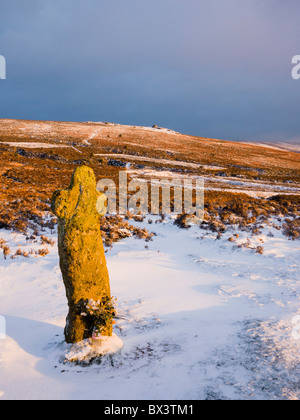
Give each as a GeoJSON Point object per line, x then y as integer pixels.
{"type": "Point", "coordinates": [90, 349]}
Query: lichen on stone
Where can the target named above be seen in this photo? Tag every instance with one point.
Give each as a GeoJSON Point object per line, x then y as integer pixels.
{"type": "Point", "coordinates": [81, 252]}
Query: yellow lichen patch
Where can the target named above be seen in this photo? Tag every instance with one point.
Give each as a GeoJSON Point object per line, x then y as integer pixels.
{"type": "Point", "coordinates": [81, 252]}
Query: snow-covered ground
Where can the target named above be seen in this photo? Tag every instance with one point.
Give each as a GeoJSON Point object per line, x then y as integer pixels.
{"type": "Point", "coordinates": [256, 189]}
{"type": "Point", "coordinates": [200, 318]}
{"type": "Point", "coordinates": [28, 145]}
{"type": "Point", "coordinates": [160, 161]}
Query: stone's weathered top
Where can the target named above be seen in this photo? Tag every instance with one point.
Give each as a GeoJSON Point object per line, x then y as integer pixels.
{"type": "Point", "coordinates": [81, 252]}
{"type": "Point", "coordinates": [80, 198]}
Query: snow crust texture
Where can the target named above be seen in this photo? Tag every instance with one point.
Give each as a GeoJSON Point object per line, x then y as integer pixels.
{"type": "Point", "coordinates": [198, 317]}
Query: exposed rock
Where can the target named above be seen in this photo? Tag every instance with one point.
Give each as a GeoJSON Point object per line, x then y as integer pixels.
{"type": "Point", "coordinates": [81, 252]}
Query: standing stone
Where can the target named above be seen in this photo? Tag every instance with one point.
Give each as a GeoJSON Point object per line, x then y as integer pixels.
{"type": "Point", "coordinates": [81, 252]}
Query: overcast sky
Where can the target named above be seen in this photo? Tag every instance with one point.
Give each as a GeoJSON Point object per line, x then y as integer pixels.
{"type": "Point", "coordinates": [212, 68]}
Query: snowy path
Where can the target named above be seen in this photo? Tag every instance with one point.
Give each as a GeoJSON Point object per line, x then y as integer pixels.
{"type": "Point", "coordinates": [160, 161]}
{"type": "Point", "coordinates": [92, 136]}
{"type": "Point", "coordinates": [199, 318]}
{"type": "Point", "coordinates": [250, 187]}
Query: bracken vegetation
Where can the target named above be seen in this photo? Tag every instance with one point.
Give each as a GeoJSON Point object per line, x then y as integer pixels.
{"type": "Point", "coordinates": [28, 185]}
{"type": "Point", "coordinates": [29, 176]}
{"type": "Point", "coordinates": [223, 209]}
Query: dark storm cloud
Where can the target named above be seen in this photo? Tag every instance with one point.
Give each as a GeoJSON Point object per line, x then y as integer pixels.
{"type": "Point", "coordinates": [211, 68]}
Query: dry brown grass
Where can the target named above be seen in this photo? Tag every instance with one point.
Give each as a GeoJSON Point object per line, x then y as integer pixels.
{"type": "Point", "coordinates": [46, 241]}
{"type": "Point", "coordinates": [28, 182]}
{"type": "Point", "coordinates": [291, 228]}
{"type": "Point", "coordinates": [223, 209]}
{"type": "Point", "coordinates": [30, 176]}
{"type": "Point", "coordinates": [236, 158]}
{"type": "Point", "coordinates": [6, 251]}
